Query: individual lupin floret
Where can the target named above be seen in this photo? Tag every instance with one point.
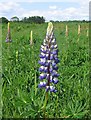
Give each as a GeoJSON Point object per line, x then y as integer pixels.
{"type": "Point", "coordinates": [42, 76]}
{"type": "Point", "coordinates": [42, 84]}
{"type": "Point", "coordinates": [48, 61]}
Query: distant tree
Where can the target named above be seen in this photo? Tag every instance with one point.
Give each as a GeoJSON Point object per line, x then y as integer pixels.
{"type": "Point", "coordinates": [52, 21]}
{"type": "Point", "coordinates": [24, 19]}
{"type": "Point", "coordinates": [83, 20]}
{"type": "Point", "coordinates": [3, 20]}
{"type": "Point", "coordinates": [15, 18]}
{"type": "Point", "coordinates": [57, 21]}
{"type": "Point", "coordinates": [34, 19]}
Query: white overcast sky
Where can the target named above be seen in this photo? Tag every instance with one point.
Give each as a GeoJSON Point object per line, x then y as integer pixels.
{"type": "Point", "coordinates": [49, 9]}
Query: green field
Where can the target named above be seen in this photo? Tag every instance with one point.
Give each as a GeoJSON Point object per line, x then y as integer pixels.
{"type": "Point", "coordinates": [20, 93]}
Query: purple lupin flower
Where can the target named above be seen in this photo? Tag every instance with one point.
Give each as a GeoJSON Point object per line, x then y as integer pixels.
{"type": "Point", "coordinates": [48, 61]}
{"type": "Point", "coordinates": [8, 38]}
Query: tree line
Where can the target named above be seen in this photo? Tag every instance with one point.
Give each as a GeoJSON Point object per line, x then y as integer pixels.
{"type": "Point", "coordinates": [33, 19]}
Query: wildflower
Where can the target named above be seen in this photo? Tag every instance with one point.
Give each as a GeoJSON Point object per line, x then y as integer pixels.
{"type": "Point", "coordinates": [48, 61]}
{"type": "Point", "coordinates": [66, 32]}
{"type": "Point", "coordinates": [8, 38]}
{"type": "Point", "coordinates": [31, 38]}
{"type": "Point", "coordinates": [79, 29]}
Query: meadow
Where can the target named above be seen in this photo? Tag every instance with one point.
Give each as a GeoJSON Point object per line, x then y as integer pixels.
{"type": "Point", "coordinates": [20, 93]}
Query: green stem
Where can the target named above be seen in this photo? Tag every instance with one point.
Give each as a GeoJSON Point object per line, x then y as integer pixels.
{"type": "Point", "coordinates": [57, 105]}
{"type": "Point", "coordinates": [34, 62]}
{"type": "Point", "coordinates": [8, 46]}
{"type": "Point", "coordinates": [45, 103]}
{"type": "Point", "coordinates": [35, 84]}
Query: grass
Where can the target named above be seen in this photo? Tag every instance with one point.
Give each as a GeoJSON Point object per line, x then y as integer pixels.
{"type": "Point", "coordinates": [20, 95]}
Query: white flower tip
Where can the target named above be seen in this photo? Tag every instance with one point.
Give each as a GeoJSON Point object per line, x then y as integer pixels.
{"type": "Point", "coordinates": [49, 28]}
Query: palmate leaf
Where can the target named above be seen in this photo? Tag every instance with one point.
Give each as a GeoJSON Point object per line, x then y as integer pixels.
{"type": "Point", "coordinates": [74, 107]}
{"type": "Point", "coordinates": [33, 109]}
{"type": "Point", "coordinates": [77, 109]}
{"type": "Point", "coordinates": [19, 103]}
{"type": "Point", "coordinates": [80, 115]}
{"type": "Point", "coordinates": [34, 106]}
{"type": "Point", "coordinates": [50, 105]}
{"type": "Point", "coordinates": [30, 112]}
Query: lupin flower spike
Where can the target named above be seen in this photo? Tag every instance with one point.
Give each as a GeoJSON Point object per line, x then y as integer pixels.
{"type": "Point", "coordinates": [31, 37]}
{"type": "Point", "coordinates": [48, 61]}
{"type": "Point", "coordinates": [87, 32]}
{"type": "Point", "coordinates": [8, 38]}
{"type": "Point", "coordinates": [79, 29]}
{"type": "Point", "coordinates": [66, 31]}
